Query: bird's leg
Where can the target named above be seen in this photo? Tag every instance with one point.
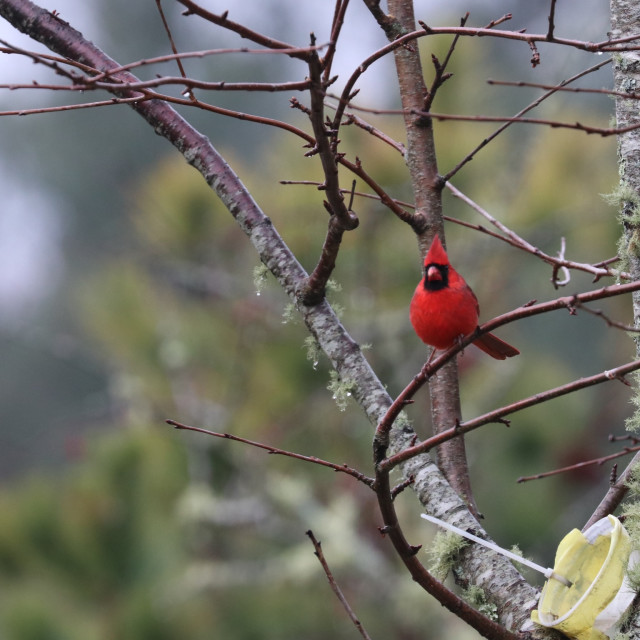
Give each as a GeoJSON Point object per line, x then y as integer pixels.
{"type": "Point", "coordinates": [459, 340]}
{"type": "Point", "coordinates": [430, 358]}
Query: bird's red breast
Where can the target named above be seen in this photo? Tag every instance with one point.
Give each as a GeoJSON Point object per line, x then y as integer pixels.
{"type": "Point", "coordinates": [444, 308]}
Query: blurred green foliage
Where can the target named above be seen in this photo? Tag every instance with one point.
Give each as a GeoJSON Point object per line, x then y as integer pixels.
{"type": "Point", "coordinates": [125, 546]}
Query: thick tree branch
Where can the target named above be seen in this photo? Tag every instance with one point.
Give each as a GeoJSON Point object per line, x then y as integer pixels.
{"type": "Point", "coordinates": [409, 556]}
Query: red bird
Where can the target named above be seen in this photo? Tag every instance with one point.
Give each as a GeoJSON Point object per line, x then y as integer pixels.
{"type": "Point", "coordinates": [444, 309]}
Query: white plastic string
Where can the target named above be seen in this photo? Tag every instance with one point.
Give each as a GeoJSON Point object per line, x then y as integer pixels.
{"type": "Point", "coordinates": [548, 573]}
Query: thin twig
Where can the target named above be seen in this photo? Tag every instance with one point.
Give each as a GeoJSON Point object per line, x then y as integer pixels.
{"type": "Point", "coordinates": [52, 61]}
{"type": "Point", "coordinates": [244, 32]}
{"type": "Point", "coordinates": [518, 241]}
{"type": "Point", "coordinates": [552, 26]}
{"type": "Point", "coordinates": [614, 495]}
{"type": "Point", "coordinates": [334, 586]}
{"type": "Point", "coordinates": [205, 106]}
{"type": "Point", "coordinates": [578, 465]}
{"type": "Point", "coordinates": [342, 468]}
{"type": "Point", "coordinates": [634, 95]}
{"type": "Point", "coordinates": [191, 83]}
{"type": "Point", "coordinates": [611, 323]}
{"type": "Point", "coordinates": [72, 107]}
{"type": "Point", "coordinates": [627, 437]}
{"type": "Point", "coordinates": [440, 76]}
{"type": "Point", "coordinates": [336, 27]}
{"type": "Point", "coordinates": [565, 302]}
{"type": "Point", "coordinates": [205, 53]}
{"type": "Point", "coordinates": [554, 124]}
{"type": "Point", "coordinates": [593, 47]}
{"type": "Point", "coordinates": [494, 23]}
{"type": "Point", "coordinates": [551, 91]}
{"type": "Point", "coordinates": [167, 29]}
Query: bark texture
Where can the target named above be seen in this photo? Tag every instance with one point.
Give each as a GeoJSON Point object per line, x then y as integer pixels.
{"type": "Point", "coordinates": [625, 21]}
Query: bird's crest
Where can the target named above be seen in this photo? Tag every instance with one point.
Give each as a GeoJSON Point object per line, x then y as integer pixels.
{"type": "Point", "coordinates": [436, 253]}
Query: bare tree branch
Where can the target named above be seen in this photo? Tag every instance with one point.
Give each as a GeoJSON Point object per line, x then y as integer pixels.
{"type": "Point", "coordinates": [342, 468]}
{"type": "Point", "coordinates": [618, 44]}
{"type": "Point", "coordinates": [615, 495]}
{"type": "Point", "coordinates": [336, 27]}
{"type": "Point", "coordinates": [223, 21]}
{"type": "Point", "coordinates": [551, 91]}
{"type": "Point", "coordinates": [578, 465]}
{"type": "Point", "coordinates": [498, 415]}
{"type": "Point", "coordinates": [167, 29]}
{"type": "Point", "coordinates": [598, 270]}
{"type": "Point", "coordinates": [334, 586]}
{"type": "Point", "coordinates": [340, 218]}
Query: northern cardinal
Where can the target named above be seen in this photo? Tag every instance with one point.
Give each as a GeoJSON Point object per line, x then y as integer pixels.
{"type": "Point", "coordinates": [444, 309]}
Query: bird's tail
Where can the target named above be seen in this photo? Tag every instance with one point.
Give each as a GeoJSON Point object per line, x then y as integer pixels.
{"type": "Point", "coordinates": [496, 348]}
